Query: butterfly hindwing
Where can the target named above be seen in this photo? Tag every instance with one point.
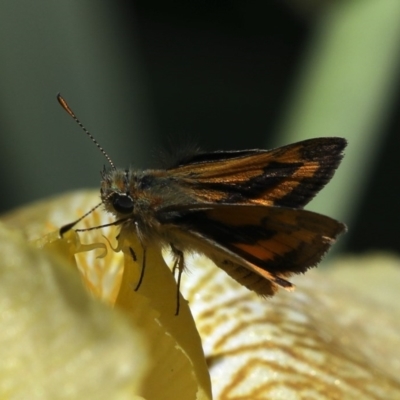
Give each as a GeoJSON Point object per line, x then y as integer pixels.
{"type": "Point", "coordinates": [256, 243]}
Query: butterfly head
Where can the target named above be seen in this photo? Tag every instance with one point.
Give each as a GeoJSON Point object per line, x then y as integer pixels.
{"type": "Point", "coordinates": [116, 192]}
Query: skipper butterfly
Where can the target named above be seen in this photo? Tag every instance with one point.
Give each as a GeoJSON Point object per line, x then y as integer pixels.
{"type": "Point", "coordinates": [242, 209]}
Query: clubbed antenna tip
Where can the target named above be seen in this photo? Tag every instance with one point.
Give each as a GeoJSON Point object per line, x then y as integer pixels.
{"type": "Point", "coordinates": [67, 108]}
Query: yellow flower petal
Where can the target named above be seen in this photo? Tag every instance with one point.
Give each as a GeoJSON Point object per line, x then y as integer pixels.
{"type": "Point", "coordinates": [56, 341]}
{"type": "Point", "coordinates": [189, 372]}
{"type": "Point", "coordinates": [321, 341]}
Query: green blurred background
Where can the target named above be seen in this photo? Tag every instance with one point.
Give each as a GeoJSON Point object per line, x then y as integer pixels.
{"type": "Point", "coordinates": [225, 75]}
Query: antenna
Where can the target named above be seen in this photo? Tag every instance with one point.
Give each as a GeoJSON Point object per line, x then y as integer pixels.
{"type": "Point", "coordinates": [69, 226]}
{"type": "Point", "coordinates": [66, 107]}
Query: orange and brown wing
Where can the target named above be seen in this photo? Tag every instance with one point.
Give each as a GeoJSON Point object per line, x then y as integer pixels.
{"type": "Point", "coordinates": [288, 176]}
{"type": "Point", "coordinates": [260, 246]}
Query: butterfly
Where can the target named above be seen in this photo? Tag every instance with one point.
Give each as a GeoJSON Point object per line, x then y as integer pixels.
{"type": "Point", "coordinates": [242, 209]}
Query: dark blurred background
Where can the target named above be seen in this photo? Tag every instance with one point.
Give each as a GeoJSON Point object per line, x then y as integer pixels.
{"type": "Point", "coordinates": [224, 75]}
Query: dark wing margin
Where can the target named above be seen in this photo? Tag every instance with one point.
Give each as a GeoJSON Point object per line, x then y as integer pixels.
{"type": "Point", "coordinates": [289, 176]}
{"type": "Point", "coordinates": [268, 243]}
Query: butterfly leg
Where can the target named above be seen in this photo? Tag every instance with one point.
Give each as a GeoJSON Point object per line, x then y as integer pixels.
{"type": "Point", "coordinates": [179, 264]}
{"type": "Point", "coordinates": [143, 266]}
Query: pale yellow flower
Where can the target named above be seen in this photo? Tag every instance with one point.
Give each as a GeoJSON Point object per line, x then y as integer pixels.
{"type": "Point", "coordinates": [325, 340]}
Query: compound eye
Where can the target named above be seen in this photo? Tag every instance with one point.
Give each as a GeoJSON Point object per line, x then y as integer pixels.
{"type": "Point", "coordinates": [122, 203]}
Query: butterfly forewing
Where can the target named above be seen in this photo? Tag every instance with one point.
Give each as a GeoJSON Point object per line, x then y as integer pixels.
{"type": "Point", "coordinates": [288, 176]}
